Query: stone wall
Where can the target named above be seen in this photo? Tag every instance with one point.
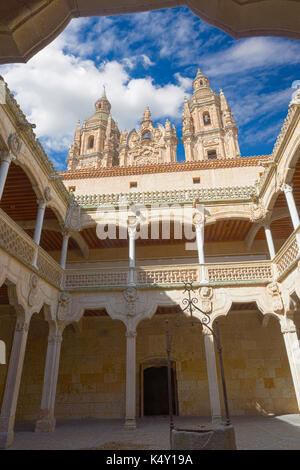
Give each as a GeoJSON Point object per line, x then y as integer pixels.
{"type": "Point", "coordinates": [91, 380]}
{"type": "Point", "coordinates": [257, 371]}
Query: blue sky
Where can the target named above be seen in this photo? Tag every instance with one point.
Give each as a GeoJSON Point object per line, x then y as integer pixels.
{"type": "Point", "coordinates": [151, 59]}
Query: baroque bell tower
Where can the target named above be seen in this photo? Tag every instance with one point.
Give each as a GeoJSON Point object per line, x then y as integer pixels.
{"type": "Point", "coordinates": [209, 129]}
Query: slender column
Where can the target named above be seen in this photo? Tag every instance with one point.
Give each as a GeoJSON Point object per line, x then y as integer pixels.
{"type": "Point", "coordinates": [293, 353]}
{"type": "Point", "coordinates": [64, 248]}
{"type": "Point", "coordinates": [6, 159]}
{"type": "Point", "coordinates": [131, 235]}
{"type": "Point", "coordinates": [288, 192]}
{"type": "Point", "coordinates": [212, 376]}
{"type": "Point", "coordinates": [269, 239]}
{"type": "Point", "coordinates": [198, 220]}
{"type": "Point", "coordinates": [39, 221]}
{"type": "Point", "coordinates": [46, 420]}
{"type": "Point", "coordinates": [130, 412]}
{"type": "Point", "coordinates": [12, 386]}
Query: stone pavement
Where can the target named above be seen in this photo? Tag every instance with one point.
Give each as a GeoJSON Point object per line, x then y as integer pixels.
{"type": "Point", "coordinates": [252, 432]}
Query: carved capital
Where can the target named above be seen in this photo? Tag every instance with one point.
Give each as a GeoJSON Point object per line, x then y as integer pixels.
{"type": "Point", "coordinates": [7, 157]}
{"type": "Point", "coordinates": [22, 325]}
{"type": "Point", "coordinates": [288, 329]}
{"type": "Point", "coordinates": [206, 331]}
{"type": "Point", "coordinates": [198, 219]}
{"type": "Point", "coordinates": [287, 188]}
{"type": "Point", "coordinates": [130, 333]}
{"type": "Point", "coordinates": [55, 338]}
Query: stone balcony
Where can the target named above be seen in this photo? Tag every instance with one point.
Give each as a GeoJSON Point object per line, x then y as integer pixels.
{"type": "Point", "coordinates": [18, 244]}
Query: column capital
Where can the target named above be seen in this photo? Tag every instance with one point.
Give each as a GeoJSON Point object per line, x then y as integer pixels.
{"type": "Point", "coordinates": [198, 220]}
{"type": "Point", "coordinates": [55, 338]}
{"type": "Point", "coordinates": [6, 156]}
{"type": "Point", "coordinates": [42, 203]}
{"type": "Point", "coordinates": [132, 223]}
{"type": "Point", "coordinates": [130, 333]}
{"type": "Point", "coordinates": [22, 325]}
{"type": "Point", "coordinates": [286, 188]}
{"type": "Point", "coordinates": [206, 331]}
{"type": "Point", "coordinates": [288, 329]}
{"type": "Point", "coordinates": [66, 232]}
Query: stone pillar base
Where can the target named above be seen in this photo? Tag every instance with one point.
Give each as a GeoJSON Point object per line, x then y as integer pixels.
{"type": "Point", "coordinates": [213, 437]}
{"type": "Point", "coordinates": [6, 439]}
{"type": "Point", "coordinates": [216, 420]}
{"type": "Point", "coordinates": [46, 422]}
{"type": "Point", "coordinates": [130, 424]}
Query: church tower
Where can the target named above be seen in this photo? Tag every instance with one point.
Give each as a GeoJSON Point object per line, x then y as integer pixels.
{"type": "Point", "coordinates": [209, 129]}
{"type": "Point", "coordinates": [96, 142]}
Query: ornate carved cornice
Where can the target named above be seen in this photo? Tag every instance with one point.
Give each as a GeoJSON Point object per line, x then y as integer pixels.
{"type": "Point", "coordinates": [163, 168]}
{"type": "Point", "coordinates": [181, 196]}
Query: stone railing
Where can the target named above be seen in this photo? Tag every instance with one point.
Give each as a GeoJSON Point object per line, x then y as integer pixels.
{"type": "Point", "coordinates": [16, 242]}
{"type": "Point", "coordinates": [48, 268]}
{"type": "Point", "coordinates": [253, 271]}
{"type": "Point", "coordinates": [244, 193]}
{"type": "Point", "coordinates": [174, 275]}
{"type": "Point", "coordinates": [95, 277]}
{"type": "Point", "coordinates": [288, 254]}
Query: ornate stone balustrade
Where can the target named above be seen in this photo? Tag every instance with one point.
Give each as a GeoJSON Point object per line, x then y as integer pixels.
{"type": "Point", "coordinates": [253, 271]}
{"type": "Point", "coordinates": [167, 275]}
{"type": "Point", "coordinates": [16, 242]}
{"type": "Point", "coordinates": [239, 272]}
{"type": "Point", "coordinates": [95, 278]}
{"type": "Point", "coordinates": [49, 268]}
{"type": "Point", "coordinates": [244, 193]}
{"type": "Point", "coordinates": [288, 254]}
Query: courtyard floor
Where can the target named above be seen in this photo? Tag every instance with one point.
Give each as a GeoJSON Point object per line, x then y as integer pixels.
{"type": "Point", "coordinates": [254, 432]}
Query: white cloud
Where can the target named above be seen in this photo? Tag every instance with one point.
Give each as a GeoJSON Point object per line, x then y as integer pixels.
{"type": "Point", "coordinates": [251, 54]}
{"type": "Point", "coordinates": [56, 88]}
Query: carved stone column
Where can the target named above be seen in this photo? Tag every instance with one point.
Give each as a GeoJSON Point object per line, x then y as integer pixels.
{"type": "Point", "coordinates": [46, 420]}
{"type": "Point", "coordinates": [269, 239]}
{"type": "Point", "coordinates": [291, 342]}
{"type": "Point", "coordinates": [132, 222]}
{"type": "Point", "coordinates": [12, 386]}
{"type": "Point", "coordinates": [64, 248]}
{"type": "Point", "coordinates": [288, 192]}
{"type": "Point", "coordinates": [198, 221]}
{"type": "Point", "coordinates": [130, 411]}
{"type": "Point", "coordinates": [5, 159]}
{"type": "Point", "coordinates": [212, 376]}
{"type": "Point", "coordinates": [39, 221]}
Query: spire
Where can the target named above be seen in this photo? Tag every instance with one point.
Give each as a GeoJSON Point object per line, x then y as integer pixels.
{"type": "Point", "coordinates": [200, 81]}
{"type": "Point", "coordinates": [102, 104]}
{"type": "Point", "coordinates": [224, 103]}
{"type": "Point", "coordinates": [147, 114]}
{"type": "Point", "coordinates": [186, 109]}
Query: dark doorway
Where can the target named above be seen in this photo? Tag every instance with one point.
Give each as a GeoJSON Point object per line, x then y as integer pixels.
{"type": "Point", "coordinates": [156, 400]}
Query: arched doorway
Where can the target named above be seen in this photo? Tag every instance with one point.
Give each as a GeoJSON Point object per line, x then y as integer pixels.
{"type": "Point", "coordinates": [154, 388]}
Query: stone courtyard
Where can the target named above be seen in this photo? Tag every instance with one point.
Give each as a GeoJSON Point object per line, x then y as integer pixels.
{"type": "Point", "coordinates": [152, 433]}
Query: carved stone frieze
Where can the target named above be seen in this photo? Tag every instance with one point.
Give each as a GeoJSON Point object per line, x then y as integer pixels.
{"type": "Point", "coordinates": [14, 144]}
{"type": "Point", "coordinates": [273, 290]}
{"type": "Point", "coordinates": [33, 295]}
{"type": "Point", "coordinates": [64, 304]}
{"type": "Point", "coordinates": [206, 295]}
